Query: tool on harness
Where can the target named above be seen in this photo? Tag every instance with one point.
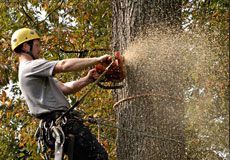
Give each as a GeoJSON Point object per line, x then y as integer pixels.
{"type": "Point", "coordinates": [59, 136]}
{"type": "Point", "coordinates": [40, 138]}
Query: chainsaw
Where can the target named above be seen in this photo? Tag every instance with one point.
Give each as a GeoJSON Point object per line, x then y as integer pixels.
{"type": "Point", "coordinates": [115, 73]}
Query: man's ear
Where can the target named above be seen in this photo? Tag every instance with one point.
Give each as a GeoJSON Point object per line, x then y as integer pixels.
{"type": "Point", "coordinates": [26, 47]}
{"type": "Point", "coordinates": [16, 53]}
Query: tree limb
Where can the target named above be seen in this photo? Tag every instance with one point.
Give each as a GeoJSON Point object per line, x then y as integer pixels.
{"type": "Point", "coordinates": [83, 53]}
{"type": "Point", "coordinates": [27, 15]}
{"type": "Point", "coordinates": [52, 12]}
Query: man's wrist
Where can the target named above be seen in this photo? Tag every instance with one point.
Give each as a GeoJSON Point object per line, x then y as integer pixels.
{"type": "Point", "coordinates": [89, 79]}
{"type": "Point", "coordinates": [98, 60]}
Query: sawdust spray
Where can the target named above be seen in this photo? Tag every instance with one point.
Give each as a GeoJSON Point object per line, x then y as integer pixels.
{"type": "Point", "coordinates": [167, 67]}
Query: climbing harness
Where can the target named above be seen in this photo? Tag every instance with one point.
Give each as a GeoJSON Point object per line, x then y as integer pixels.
{"type": "Point", "coordinates": [48, 134]}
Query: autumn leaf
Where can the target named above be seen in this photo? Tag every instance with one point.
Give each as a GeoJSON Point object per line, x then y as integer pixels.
{"type": "Point", "coordinates": [3, 97]}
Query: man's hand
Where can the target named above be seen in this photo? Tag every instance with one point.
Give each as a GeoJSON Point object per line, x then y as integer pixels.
{"type": "Point", "coordinates": [75, 86]}
{"type": "Point", "coordinates": [105, 59]}
{"type": "Point", "coordinates": [92, 75]}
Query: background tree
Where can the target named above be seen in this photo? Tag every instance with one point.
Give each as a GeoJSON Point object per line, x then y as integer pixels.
{"type": "Point", "coordinates": [207, 111]}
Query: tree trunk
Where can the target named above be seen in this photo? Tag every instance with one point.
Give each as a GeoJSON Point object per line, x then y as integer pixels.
{"type": "Point", "coordinates": [154, 121]}
{"type": "Point", "coordinates": [130, 17]}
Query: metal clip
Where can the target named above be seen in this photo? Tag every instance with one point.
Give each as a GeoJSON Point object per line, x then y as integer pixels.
{"type": "Point", "coordinates": [59, 141]}
{"type": "Point", "coordinates": [63, 121]}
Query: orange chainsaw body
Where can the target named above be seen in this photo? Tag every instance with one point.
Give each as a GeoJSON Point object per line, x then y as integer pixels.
{"type": "Point", "coordinates": [116, 72]}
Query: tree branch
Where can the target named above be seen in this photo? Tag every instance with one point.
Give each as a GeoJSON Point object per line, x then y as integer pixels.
{"type": "Point", "coordinates": [27, 15]}
{"type": "Point", "coordinates": [52, 12]}
{"type": "Point", "coordinates": [83, 53]}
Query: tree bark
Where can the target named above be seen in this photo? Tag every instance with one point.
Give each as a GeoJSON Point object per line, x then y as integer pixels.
{"type": "Point", "coordinates": [132, 17]}
{"type": "Point", "coordinates": [156, 122]}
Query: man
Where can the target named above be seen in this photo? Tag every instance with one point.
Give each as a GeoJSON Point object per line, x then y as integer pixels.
{"type": "Point", "coordinates": [45, 95]}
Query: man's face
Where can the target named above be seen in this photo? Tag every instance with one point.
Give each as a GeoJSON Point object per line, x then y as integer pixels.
{"type": "Point", "coordinates": [36, 49]}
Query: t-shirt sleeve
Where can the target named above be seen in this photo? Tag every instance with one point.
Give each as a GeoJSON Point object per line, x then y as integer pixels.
{"type": "Point", "coordinates": [41, 67]}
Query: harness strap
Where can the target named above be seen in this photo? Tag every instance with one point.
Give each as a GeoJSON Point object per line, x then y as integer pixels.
{"type": "Point", "coordinates": [31, 43]}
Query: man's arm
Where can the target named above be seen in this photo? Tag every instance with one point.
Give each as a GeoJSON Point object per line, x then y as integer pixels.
{"type": "Point", "coordinates": [75, 86]}
{"type": "Point", "coordinates": [77, 64]}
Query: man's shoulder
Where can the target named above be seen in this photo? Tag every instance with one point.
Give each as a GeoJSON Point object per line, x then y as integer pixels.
{"type": "Point", "coordinates": [39, 61]}
{"type": "Point", "coordinates": [33, 61]}
{"type": "Point", "coordinates": [38, 67]}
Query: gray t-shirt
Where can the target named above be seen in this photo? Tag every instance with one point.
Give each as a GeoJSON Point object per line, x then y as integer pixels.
{"type": "Point", "coordinates": [39, 87]}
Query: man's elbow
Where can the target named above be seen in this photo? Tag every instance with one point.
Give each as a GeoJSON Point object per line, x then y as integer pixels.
{"type": "Point", "coordinates": [61, 66]}
{"type": "Point", "coordinates": [68, 88]}
{"type": "Point", "coordinates": [67, 91]}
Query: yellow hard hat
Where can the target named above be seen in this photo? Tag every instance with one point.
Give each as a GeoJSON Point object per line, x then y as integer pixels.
{"type": "Point", "coordinates": [22, 35]}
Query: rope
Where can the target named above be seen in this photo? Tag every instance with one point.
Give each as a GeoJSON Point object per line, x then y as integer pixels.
{"type": "Point", "coordinates": [146, 95]}
{"type": "Point", "coordinates": [142, 133]}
